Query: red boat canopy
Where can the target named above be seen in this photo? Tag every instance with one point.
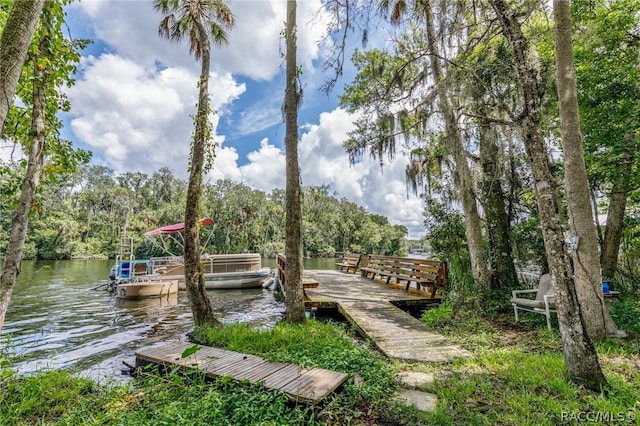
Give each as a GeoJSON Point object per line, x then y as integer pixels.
{"type": "Point", "coordinates": [178, 227]}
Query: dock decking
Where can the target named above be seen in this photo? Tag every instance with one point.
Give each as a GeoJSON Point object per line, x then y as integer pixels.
{"type": "Point", "coordinates": [367, 303]}
{"type": "Point", "coordinates": [309, 385]}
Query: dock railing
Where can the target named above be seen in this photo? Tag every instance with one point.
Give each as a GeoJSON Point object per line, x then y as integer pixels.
{"type": "Point", "coordinates": [281, 260]}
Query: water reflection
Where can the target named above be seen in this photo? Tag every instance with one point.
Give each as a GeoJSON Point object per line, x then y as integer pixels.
{"type": "Point", "coordinates": [148, 303]}
{"type": "Point", "coordinates": [55, 320]}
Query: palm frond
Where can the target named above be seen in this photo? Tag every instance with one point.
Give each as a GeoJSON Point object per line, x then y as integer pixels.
{"type": "Point", "coordinates": [183, 17]}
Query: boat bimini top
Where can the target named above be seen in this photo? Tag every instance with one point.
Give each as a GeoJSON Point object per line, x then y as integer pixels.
{"type": "Point", "coordinates": [171, 231]}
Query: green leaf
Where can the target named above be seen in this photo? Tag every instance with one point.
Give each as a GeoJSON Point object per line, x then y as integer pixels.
{"type": "Point", "coordinates": [190, 351]}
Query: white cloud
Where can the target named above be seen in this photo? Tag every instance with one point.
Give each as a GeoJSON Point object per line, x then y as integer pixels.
{"type": "Point", "coordinates": [138, 117]}
{"type": "Point", "coordinates": [261, 115]}
{"type": "Point", "coordinates": [266, 168]}
{"type": "Point", "coordinates": [133, 104]}
{"type": "Point", "coordinates": [328, 163]}
{"type": "Point", "coordinates": [254, 49]}
{"type": "Point", "coordinates": [323, 161]}
{"type": "Point", "coordinates": [225, 165]}
{"type": "Point", "coordinates": [130, 28]}
{"type": "Point", "coordinates": [255, 45]}
{"type": "Point", "coordinates": [380, 191]}
{"type": "Point", "coordinates": [9, 152]}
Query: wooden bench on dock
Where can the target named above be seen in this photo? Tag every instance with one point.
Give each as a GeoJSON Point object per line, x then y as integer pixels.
{"type": "Point", "coordinates": [349, 261]}
{"type": "Point", "coordinates": [427, 274]}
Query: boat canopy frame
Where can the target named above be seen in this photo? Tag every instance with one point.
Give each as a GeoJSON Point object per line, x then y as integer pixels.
{"type": "Point", "coordinates": [168, 233]}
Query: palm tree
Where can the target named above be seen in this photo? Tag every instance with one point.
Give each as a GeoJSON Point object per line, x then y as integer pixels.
{"type": "Point", "coordinates": [201, 21]}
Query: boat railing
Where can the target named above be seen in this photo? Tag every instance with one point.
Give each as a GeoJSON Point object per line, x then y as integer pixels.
{"type": "Point", "coordinates": [212, 263]}
{"type": "Point", "coordinates": [125, 259]}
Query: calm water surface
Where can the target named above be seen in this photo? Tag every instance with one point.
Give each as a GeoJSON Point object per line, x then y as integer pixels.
{"type": "Point", "coordinates": [56, 320]}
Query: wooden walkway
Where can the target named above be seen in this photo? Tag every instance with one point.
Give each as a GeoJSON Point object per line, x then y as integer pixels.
{"type": "Point", "coordinates": [367, 304]}
{"type": "Point", "coordinates": [309, 385]}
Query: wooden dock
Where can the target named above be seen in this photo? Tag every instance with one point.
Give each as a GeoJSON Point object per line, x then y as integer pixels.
{"type": "Point", "coordinates": [373, 307]}
{"type": "Point", "coordinates": [308, 385]}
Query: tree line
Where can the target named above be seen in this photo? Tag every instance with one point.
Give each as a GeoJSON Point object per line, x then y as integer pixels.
{"type": "Point", "coordinates": [83, 215]}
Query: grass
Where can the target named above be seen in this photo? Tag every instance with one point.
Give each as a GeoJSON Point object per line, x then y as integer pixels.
{"type": "Point", "coordinates": [60, 398]}
{"type": "Point", "coordinates": [516, 376]}
{"type": "Point", "coordinates": [331, 346]}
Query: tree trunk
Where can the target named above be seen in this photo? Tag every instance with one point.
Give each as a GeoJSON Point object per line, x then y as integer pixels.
{"type": "Point", "coordinates": [20, 222]}
{"type": "Point", "coordinates": [14, 44]}
{"type": "Point", "coordinates": [194, 277]}
{"type": "Point", "coordinates": [586, 262]}
{"type": "Point", "coordinates": [581, 360]}
{"type": "Point", "coordinates": [503, 275]}
{"type": "Point", "coordinates": [462, 173]}
{"type": "Point", "coordinates": [615, 222]}
{"type": "Point", "coordinates": [294, 296]}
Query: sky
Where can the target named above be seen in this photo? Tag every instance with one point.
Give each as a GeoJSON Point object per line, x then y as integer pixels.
{"type": "Point", "coordinates": [133, 102]}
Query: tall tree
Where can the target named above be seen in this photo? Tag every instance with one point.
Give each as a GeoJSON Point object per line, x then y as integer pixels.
{"type": "Point", "coordinates": [462, 171]}
{"type": "Point", "coordinates": [201, 21]}
{"type": "Point", "coordinates": [41, 73]}
{"type": "Point", "coordinates": [487, 82]}
{"type": "Point", "coordinates": [294, 299]}
{"type": "Point", "coordinates": [581, 360]}
{"type": "Point", "coordinates": [586, 261]}
{"type": "Point", "coordinates": [14, 44]}
{"type": "Point", "coordinates": [499, 253]}
{"type": "Point", "coordinates": [606, 54]}
{"type": "Point", "coordinates": [436, 69]}
{"type": "Point", "coordinates": [431, 86]}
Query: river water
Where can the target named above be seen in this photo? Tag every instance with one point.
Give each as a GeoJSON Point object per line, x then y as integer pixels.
{"type": "Point", "coordinates": [56, 320]}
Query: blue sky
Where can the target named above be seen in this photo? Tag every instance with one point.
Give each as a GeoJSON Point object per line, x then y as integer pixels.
{"type": "Point", "coordinates": [133, 101]}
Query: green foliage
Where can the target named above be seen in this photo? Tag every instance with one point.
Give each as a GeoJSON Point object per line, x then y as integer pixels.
{"type": "Point", "coordinates": [178, 400]}
{"type": "Point", "coordinates": [516, 375]}
{"type": "Point", "coordinates": [625, 313]}
{"type": "Point", "coordinates": [6, 359]}
{"type": "Point", "coordinates": [52, 397]}
{"type": "Point", "coordinates": [628, 274]}
{"type": "Point", "coordinates": [61, 67]}
{"type": "Point", "coordinates": [10, 181]}
{"type": "Point", "coordinates": [59, 398]}
{"type": "Point", "coordinates": [607, 68]}
{"type": "Point", "coordinates": [445, 234]}
{"type": "Point", "coordinates": [445, 228]}
{"type": "Point", "coordinates": [190, 351]}
{"type": "Point", "coordinates": [313, 344]}
{"type": "Point", "coordinates": [60, 157]}
{"type": "Point", "coordinates": [527, 237]}
{"type": "Point", "coordinates": [87, 222]}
